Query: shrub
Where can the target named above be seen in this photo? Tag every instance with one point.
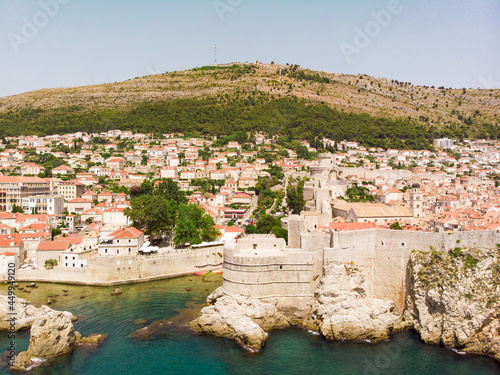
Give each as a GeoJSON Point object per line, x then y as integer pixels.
{"type": "Point", "coordinates": [470, 261]}
{"type": "Point", "coordinates": [456, 252]}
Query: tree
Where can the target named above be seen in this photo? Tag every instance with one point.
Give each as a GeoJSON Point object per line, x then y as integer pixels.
{"type": "Point", "coordinates": [153, 214]}
{"type": "Point", "coordinates": [135, 191]}
{"type": "Point", "coordinates": [169, 190]}
{"type": "Point", "coordinates": [50, 263]}
{"type": "Point", "coordinates": [194, 226]}
{"type": "Point", "coordinates": [396, 226]}
{"type": "Point", "coordinates": [55, 232]}
{"type": "Point", "coordinates": [359, 194]}
{"type": "Point", "coordinates": [280, 233]}
{"type": "Point", "coordinates": [250, 229]}
{"type": "Point", "coordinates": [17, 209]}
{"type": "Point", "coordinates": [266, 224]}
{"type": "Point", "coordinates": [295, 197]}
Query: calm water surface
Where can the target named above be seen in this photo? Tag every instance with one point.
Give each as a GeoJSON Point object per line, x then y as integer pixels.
{"type": "Point", "coordinates": [179, 351]}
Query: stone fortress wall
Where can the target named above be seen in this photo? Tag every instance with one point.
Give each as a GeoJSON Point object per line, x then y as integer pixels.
{"type": "Point", "coordinates": [383, 254]}
{"type": "Point", "coordinates": [125, 269]}
{"type": "Point", "coordinates": [262, 267]}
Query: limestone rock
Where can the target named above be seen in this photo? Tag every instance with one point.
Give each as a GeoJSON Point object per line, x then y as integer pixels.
{"type": "Point", "coordinates": [342, 310]}
{"type": "Point", "coordinates": [26, 313]}
{"type": "Point", "coordinates": [240, 318]}
{"type": "Point", "coordinates": [51, 335]}
{"type": "Point", "coordinates": [92, 339]}
{"type": "Point", "coordinates": [452, 299]}
{"type": "Point", "coordinates": [21, 362]}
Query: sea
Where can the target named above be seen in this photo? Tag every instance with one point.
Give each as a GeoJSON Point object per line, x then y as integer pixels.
{"type": "Point", "coordinates": [175, 349]}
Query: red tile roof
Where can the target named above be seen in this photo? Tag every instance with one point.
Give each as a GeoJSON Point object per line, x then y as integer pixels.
{"type": "Point", "coordinates": [53, 245]}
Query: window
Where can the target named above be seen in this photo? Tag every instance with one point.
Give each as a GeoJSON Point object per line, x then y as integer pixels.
{"type": "Point", "coordinates": [81, 265]}
{"type": "Point", "coordinates": [403, 244]}
{"type": "Point", "coordinates": [117, 251]}
{"type": "Point", "coordinates": [129, 241]}
{"type": "Point", "coordinates": [105, 251]}
{"type": "Point", "coordinates": [66, 264]}
{"type": "Point", "coordinates": [129, 249]}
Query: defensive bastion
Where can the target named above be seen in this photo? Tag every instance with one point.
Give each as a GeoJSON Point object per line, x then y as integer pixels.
{"type": "Point", "coordinates": [263, 267]}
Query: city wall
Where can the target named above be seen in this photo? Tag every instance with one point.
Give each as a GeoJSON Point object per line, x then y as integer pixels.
{"type": "Point", "coordinates": [115, 270]}
{"type": "Point", "coordinates": [264, 268]}
{"type": "Point", "coordinates": [383, 254]}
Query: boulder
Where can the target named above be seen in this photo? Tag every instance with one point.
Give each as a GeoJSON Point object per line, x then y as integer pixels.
{"type": "Point", "coordinates": [26, 313]}
{"type": "Point", "coordinates": [240, 318]}
{"type": "Point", "coordinates": [51, 335]}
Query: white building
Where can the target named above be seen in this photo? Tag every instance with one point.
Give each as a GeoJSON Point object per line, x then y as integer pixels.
{"type": "Point", "coordinates": [43, 204]}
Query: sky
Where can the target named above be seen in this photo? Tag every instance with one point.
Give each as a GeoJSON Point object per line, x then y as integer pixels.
{"type": "Point", "coordinates": [66, 43]}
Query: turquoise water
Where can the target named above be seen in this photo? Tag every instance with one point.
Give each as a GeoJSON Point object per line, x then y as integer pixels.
{"type": "Point", "coordinates": [179, 351]}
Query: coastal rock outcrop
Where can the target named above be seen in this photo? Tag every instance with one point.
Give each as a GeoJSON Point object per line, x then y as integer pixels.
{"type": "Point", "coordinates": [341, 309]}
{"type": "Point", "coordinates": [453, 298]}
{"type": "Point", "coordinates": [240, 318]}
{"type": "Point", "coordinates": [26, 313]}
{"type": "Point", "coordinates": [50, 336]}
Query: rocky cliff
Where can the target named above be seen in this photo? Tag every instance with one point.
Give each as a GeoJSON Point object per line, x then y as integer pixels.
{"type": "Point", "coordinates": [453, 298]}
{"type": "Point", "coordinates": [339, 310]}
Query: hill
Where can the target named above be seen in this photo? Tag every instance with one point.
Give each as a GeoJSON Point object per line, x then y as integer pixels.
{"type": "Point", "coordinates": [274, 98]}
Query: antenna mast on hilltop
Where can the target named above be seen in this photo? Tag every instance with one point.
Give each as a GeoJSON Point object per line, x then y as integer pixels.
{"type": "Point", "coordinates": [215, 55]}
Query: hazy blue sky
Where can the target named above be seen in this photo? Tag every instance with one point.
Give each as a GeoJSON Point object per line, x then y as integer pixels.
{"type": "Point", "coordinates": [63, 43]}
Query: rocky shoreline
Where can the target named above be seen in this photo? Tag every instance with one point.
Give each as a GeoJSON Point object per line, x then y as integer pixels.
{"type": "Point", "coordinates": [51, 332]}
{"type": "Point", "coordinates": [454, 299]}
{"type": "Point", "coordinates": [440, 306]}
{"type": "Point", "coordinates": [339, 310]}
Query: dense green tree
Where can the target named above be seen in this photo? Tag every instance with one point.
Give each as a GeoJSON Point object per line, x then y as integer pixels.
{"type": "Point", "coordinates": [396, 226]}
{"type": "Point", "coordinates": [153, 214]}
{"type": "Point", "coordinates": [266, 224]}
{"type": "Point", "coordinates": [280, 232]}
{"type": "Point", "coordinates": [359, 194]}
{"type": "Point", "coordinates": [55, 232]}
{"type": "Point", "coordinates": [250, 229]}
{"type": "Point", "coordinates": [17, 209]}
{"type": "Point", "coordinates": [194, 226]}
{"type": "Point", "coordinates": [50, 263]}
{"type": "Point", "coordinates": [295, 197]}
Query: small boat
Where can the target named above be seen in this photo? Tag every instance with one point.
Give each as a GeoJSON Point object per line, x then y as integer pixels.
{"type": "Point", "coordinates": [201, 273]}
{"type": "Point", "coordinates": [220, 270]}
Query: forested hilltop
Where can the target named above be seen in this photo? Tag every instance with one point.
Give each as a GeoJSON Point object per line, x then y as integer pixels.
{"type": "Point", "coordinates": [283, 100]}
